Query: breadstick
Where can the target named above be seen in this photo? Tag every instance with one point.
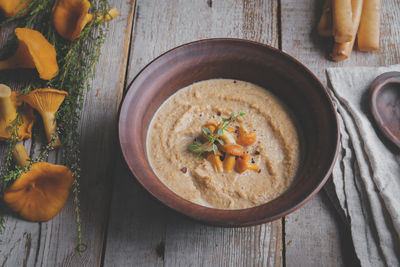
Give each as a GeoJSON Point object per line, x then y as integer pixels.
{"type": "Point", "coordinates": [368, 33]}
{"type": "Point", "coordinates": [342, 51]}
{"type": "Point", "coordinates": [325, 23]}
{"type": "Point", "coordinates": [342, 20]}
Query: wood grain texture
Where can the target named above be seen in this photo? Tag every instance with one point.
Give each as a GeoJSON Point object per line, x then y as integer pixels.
{"type": "Point", "coordinates": [318, 242]}
{"type": "Point", "coordinates": [141, 231]}
{"type": "Point", "coordinates": [193, 244]}
{"type": "Point", "coordinates": [54, 243]}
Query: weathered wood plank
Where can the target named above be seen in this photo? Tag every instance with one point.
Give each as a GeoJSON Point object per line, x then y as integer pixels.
{"type": "Point", "coordinates": [193, 244]}
{"type": "Point", "coordinates": [141, 231]}
{"type": "Point", "coordinates": [318, 242]}
{"type": "Point", "coordinates": [53, 243]}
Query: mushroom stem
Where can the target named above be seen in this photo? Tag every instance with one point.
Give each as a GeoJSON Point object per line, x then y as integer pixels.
{"type": "Point", "coordinates": [229, 163]}
{"type": "Point", "coordinates": [231, 150]}
{"type": "Point", "coordinates": [252, 167]}
{"type": "Point", "coordinates": [215, 162]}
{"type": "Point", "coordinates": [112, 13]}
{"type": "Point", "coordinates": [8, 111]}
{"type": "Point", "coordinates": [20, 155]}
{"type": "Point", "coordinates": [227, 137]}
{"type": "Point", "coordinates": [229, 160]}
{"type": "Point", "coordinates": [50, 127]}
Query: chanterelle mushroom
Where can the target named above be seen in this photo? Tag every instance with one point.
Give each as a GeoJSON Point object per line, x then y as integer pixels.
{"type": "Point", "coordinates": [215, 161]}
{"type": "Point", "coordinates": [47, 101]}
{"type": "Point", "coordinates": [245, 137]}
{"type": "Point", "coordinates": [11, 8]}
{"type": "Point", "coordinates": [227, 137]}
{"type": "Point", "coordinates": [40, 193]}
{"type": "Point", "coordinates": [231, 151]}
{"type": "Point", "coordinates": [211, 126]}
{"type": "Point", "coordinates": [34, 51]}
{"type": "Point", "coordinates": [71, 16]}
{"type": "Point", "coordinates": [242, 164]}
{"type": "Point", "coordinates": [8, 113]}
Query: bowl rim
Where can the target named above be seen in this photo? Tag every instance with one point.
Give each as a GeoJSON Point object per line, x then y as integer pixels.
{"type": "Point", "coordinates": [308, 196]}
{"type": "Point", "coordinates": [377, 86]}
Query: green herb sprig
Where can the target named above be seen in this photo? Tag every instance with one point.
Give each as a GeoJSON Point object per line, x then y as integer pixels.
{"type": "Point", "coordinates": [76, 62]}
{"type": "Point", "coordinates": [213, 138]}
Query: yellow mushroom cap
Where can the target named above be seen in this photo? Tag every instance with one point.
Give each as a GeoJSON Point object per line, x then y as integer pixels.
{"type": "Point", "coordinates": [41, 52]}
{"type": "Point", "coordinates": [242, 164]}
{"type": "Point", "coordinates": [71, 16]}
{"type": "Point", "coordinates": [28, 117]}
{"type": "Point", "coordinates": [34, 51]}
{"type": "Point", "coordinates": [246, 139]}
{"type": "Point", "coordinates": [41, 193]}
{"type": "Point", "coordinates": [11, 8]}
{"type": "Point", "coordinates": [45, 100]}
{"type": "Point", "coordinates": [232, 149]}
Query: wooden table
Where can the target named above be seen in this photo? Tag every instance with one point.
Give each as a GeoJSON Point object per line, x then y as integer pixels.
{"type": "Point", "coordinates": [122, 224]}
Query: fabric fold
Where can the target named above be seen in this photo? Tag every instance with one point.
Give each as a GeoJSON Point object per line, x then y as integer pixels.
{"type": "Point", "coordinates": [366, 176]}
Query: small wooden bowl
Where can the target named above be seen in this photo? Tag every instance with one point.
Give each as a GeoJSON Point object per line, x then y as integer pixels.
{"type": "Point", "coordinates": [243, 60]}
{"type": "Point", "coordinates": [385, 104]}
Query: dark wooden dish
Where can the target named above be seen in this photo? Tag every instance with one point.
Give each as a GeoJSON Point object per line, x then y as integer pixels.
{"type": "Point", "coordinates": [243, 60]}
{"type": "Point", "coordinates": [385, 104]}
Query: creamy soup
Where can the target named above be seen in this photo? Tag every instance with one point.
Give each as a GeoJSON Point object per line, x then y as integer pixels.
{"type": "Point", "coordinates": [179, 122]}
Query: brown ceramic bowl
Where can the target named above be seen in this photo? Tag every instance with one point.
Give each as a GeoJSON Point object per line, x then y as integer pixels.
{"type": "Point", "coordinates": [243, 60]}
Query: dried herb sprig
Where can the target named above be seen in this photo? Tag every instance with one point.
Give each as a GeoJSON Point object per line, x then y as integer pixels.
{"type": "Point", "coordinates": [214, 137]}
{"type": "Point", "coordinates": [76, 61]}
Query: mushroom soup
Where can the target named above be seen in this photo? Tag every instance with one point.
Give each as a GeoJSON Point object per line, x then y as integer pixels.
{"type": "Point", "coordinates": [224, 144]}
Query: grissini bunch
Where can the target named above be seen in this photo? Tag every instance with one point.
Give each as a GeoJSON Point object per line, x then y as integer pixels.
{"type": "Point", "coordinates": [365, 20]}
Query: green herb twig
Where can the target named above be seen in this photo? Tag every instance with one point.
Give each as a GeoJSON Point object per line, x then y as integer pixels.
{"type": "Point", "coordinates": [76, 64]}
{"type": "Point", "coordinates": [214, 137]}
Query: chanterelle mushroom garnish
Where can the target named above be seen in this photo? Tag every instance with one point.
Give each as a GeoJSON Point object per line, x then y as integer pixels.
{"type": "Point", "coordinates": [11, 8]}
{"type": "Point", "coordinates": [242, 164]}
{"type": "Point", "coordinates": [219, 135]}
{"type": "Point", "coordinates": [245, 137]}
{"type": "Point", "coordinates": [215, 161]}
{"type": "Point", "coordinates": [8, 113]}
{"type": "Point", "coordinates": [34, 51]}
{"type": "Point", "coordinates": [71, 16]}
{"type": "Point", "coordinates": [231, 151]}
{"type": "Point", "coordinates": [41, 192]}
{"type": "Point", "coordinates": [47, 101]}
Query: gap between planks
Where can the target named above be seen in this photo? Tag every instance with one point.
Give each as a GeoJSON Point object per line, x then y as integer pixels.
{"type": "Point", "coordinates": [143, 232]}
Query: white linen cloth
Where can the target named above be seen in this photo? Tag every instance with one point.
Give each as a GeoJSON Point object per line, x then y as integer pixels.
{"type": "Point", "coordinates": [366, 176]}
